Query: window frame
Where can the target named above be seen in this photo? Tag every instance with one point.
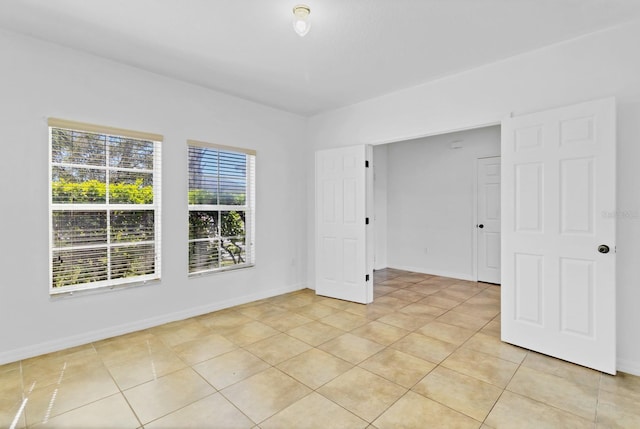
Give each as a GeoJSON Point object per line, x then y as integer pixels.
{"type": "Point", "coordinates": [249, 208]}
{"type": "Point", "coordinates": [107, 207]}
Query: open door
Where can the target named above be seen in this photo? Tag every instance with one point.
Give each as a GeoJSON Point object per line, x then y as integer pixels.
{"type": "Point", "coordinates": [558, 247]}
{"type": "Point", "coordinates": [488, 217]}
{"type": "Point", "coordinates": [344, 260]}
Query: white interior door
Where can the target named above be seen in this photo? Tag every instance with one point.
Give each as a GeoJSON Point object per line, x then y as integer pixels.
{"type": "Point", "coordinates": [488, 217]}
{"type": "Point", "coordinates": [558, 248]}
{"type": "Point", "coordinates": [343, 248]}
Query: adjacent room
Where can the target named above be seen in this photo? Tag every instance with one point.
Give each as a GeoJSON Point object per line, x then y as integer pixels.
{"type": "Point", "coordinates": [349, 214]}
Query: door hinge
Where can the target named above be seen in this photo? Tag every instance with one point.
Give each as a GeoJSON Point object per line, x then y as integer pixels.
{"type": "Point", "coordinates": [366, 278]}
{"type": "Point", "coordinates": [366, 164]}
{"type": "Point", "coordinates": [366, 221]}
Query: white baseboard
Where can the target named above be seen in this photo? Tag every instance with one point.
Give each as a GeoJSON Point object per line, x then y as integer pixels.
{"type": "Point", "coordinates": [101, 334]}
{"type": "Point", "coordinates": [628, 366]}
{"type": "Point", "coordinates": [452, 275]}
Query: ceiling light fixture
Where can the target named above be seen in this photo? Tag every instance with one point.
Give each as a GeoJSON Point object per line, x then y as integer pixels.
{"type": "Point", "coordinates": [301, 23]}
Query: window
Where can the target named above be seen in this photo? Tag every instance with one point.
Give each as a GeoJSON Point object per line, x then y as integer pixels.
{"type": "Point", "coordinates": [221, 207]}
{"type": "Point", "coordinates": [104, 206]}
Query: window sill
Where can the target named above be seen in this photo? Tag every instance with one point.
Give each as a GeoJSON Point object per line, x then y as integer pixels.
{"type": "Point", "coordinates": [63, 294]}
{"type": "Point", "coordinates": [221, 270]}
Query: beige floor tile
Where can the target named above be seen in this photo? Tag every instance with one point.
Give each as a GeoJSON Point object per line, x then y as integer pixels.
{"type": "Point", "coordinates": [382, 290]}
{"type": "Point", "coordinates": [345, 320]}
{"type": "Point", "coordinates": [249, 333]}
{"type": "Point", "coordinates": [556, 391]}
{"type": "Point", "coordinates": [396, 282]}
{"type": "Point", "coordinates": [465, 394]}
{"type": "Point", "coordinates": [407, 295]}
{"type": "Point", "coordinates": [315, 367]}
{"type": "Point", "coordinates": [11, 410]}
{"type": "Point", "coordinates": [352, 348]}
{"type": "Point", "coordinates": [492, 290]}
{"type": "Point", "coordinates": [180, 332]}
{"type": "Point", "coordinates": [414, 411]}
{"type": "Point", "coordinates": [286, 321]}
{"type": "Point", "coordinates": [261, 311]}
{"type": "Point", "coordinates": [229, 368]}
{"type": "Point", "coordinates": [116, 352]}
{"type": "Point", "coordinates": [405, 321]}
{"type": "Point", "coordinates": [381, 333]}
{"type": "Point", "coordinates": [223, 320]}
{"type": "Point", "coordinates": [562, 369]}
{"type": "Point", "coordinates": [468, 284]}
{"type": "Point", "coordinates": [335, 303]}
{"type": "Point", "coordinates": [46, 372]}
{"type": "Point", "coordinates": [278, 348]}
{"type": "Point", "coordinates": [353, 307]}
{"type": "Point", "coordinates": [438, 300]}
{"type": "Point", "coordinates": [426, 288]}
{"type": "Point", "coordinates": [302, 297]}
{"type": "Point", "coordinates": [363, 393]}
{"type": "Point", "coordinates": [492, 328]}
{"type": "Point", "coordinates": [167, 394]}
{"type": "Point", "coordinates": [515, 411]}
{"type": "Point", "coordinates": [376, 310]}
{"type": "Point", "coordinates": [462, 320]}
{"type": "Point", "coordinates": [421, 309]}
{"type": "Point", "coordinates": [483, 299]}
{"type": "Point", "coordinates": [616, 410]}
{"type": "Point", "coordinates": [145, 368]}
{"type": "Point", "coordinates": [264, 394]}
{"type": "Point", "coordinates": [316, 311]}
{"type": "Point", "coordinates": [399, 367]}
{"type": "Point", "coordinates": [410, 278]}
{"type": "Point", "coordinates": [9, 366]}
{"type": "Point", "coordinates": [481, 366]}
{"type": "Point", "coordinates": [493, 346]}
{"type": "Point", "coordinates": [394, 302]}
{"type": "Point", "coordinates": [112, 412]}
{"type": "Point", "coordinates": [11, 384]}
{"type": "Point", "coordinates": [314, 411]}
{"type": "Point", "coordinates": [426, 348]}
{"type": "Point", "coordinates": [623, 384]}
{"type": "Point", "coordinates": [203, 348]}
{"type": "Point", "coordinates": [315, 333]}
{"type": "Point", "coordinates": [370, 311]}
{"type": "Point", "coordinates": [71, 353]}
{"type": "Point", "coordinates": [445, 332]}
{"type": "Point", "coordinates": [213, 412]}
{"type": "Point", "coordinates": [454, 295]}
{"type": "Point", "coordinates": [55, 399]}
{"type": "Point", "coordinates": [460, 294]}
{"type": "Point", "coordinates": [482, 311]}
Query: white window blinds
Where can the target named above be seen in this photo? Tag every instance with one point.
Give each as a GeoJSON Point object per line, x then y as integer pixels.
{"type": "Point", "coordinates": [104, 206]}
{"type": "Point", "coordinates": [221, 207]}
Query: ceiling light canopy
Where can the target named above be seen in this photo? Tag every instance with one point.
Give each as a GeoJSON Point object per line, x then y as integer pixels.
{"type": "Point", "coordinates": [301, 23]}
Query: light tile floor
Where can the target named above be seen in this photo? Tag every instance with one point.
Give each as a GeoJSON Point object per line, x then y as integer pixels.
{"type": "Point", "coordinates": [426, 354]}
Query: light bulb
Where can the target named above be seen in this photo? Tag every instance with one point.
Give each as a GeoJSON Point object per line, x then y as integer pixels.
{"type": "Point", "coordinates": [301, 23]}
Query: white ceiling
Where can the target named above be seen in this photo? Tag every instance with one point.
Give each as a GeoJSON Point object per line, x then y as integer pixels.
{"type": "Point", "coordinates": [356, 49]}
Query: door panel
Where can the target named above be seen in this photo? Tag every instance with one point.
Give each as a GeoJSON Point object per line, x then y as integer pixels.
{"type": "Point", "coordinates": [343, 257]}
{"type": "Point", "coordinates": [488, 217]}
{"type": "Point", "coordinates": [558, 290]}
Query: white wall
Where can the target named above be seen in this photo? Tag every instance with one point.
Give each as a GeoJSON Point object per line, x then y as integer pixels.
{"type": "Point", "coordinates": [40, 80]}
{"type": "Point", "coordinates": [599, 65]}
{"type": "Point", "coordinates": [431, 201]}
{"type": "Point", "coordinates": [380, 185]}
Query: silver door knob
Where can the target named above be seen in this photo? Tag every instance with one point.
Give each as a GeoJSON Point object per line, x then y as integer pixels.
{"type": "Point", "coordinates": [603, 248]}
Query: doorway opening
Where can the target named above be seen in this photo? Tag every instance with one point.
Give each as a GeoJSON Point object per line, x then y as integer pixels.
{"type": "Point", "coordinates": [426, 204]}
